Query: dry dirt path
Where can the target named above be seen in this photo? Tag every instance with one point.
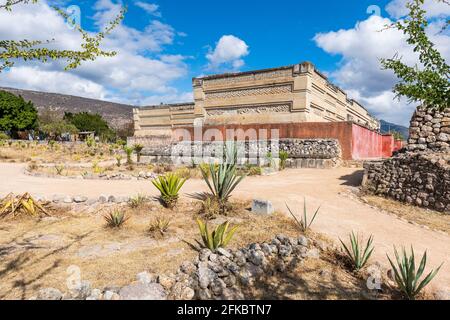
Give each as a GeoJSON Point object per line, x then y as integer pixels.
{"type": "Point", "coordinates": [339, 214]}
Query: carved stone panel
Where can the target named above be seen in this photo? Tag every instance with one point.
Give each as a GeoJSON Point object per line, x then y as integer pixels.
{"type": "Point", "coordinates": [287, 88]}
{"type": "Point", "coordinates": [281, 108]}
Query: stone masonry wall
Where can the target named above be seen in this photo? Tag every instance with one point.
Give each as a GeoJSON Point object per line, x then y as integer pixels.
{"type": "Point", "coordinates": [430, 130]}
{"type": "Point", "coordinates": [311, 153]}
{"type": "Point", "coordinates": [419, 174]}
{"type": "Point", "coordinates": [422, 179]}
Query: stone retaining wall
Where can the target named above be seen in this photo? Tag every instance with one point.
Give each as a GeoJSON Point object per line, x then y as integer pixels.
{"type": "Point", "coordinates": [421, 179]}
{"type": "Point", "coordinates": [310, 153]}
{"type": "Point", "coordinates": [430, 130]}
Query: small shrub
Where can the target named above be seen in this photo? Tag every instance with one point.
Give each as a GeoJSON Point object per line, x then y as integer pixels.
{"type": "Point", "coordinates": [283, 158]}
{"type": "Point", "coordinates": [116, 219]}
{"type": "Point", "coordinates": [96, 168]}
{"type": "Point", "coordinates": [138, 148]}
{"type": "Point", "coordinates": [119, 160]}
{"type": "Point", "coordinates": [184, 173]}
{"type": "Point", "coordinates": [129, 153]}
{"type": "Point", "coordinates": [210, 207]}
{"type": "Point", "coordinates": [304, 223]}
{"type": "Point", "coordinates": [121, 143]}
{"type": "Point", "coordinates": [59, 169]}
{"type": "Point", "coordinates": [162, 168]}
{"type": "Point", "coordinates": [219, 238]}
{"type": "Point", "coordinates": [252, 170]}
{"type": "Point", "coordinates": [407, 277]}
{"type": "Point", "coordinates": [52, 144]}
{"type": "Point", "coordinates": [160, 226]}
{"type": "Point", "coordinates": [356, 254]}
{"type": "Point", "coordinates": [90, 142]}
{"type": "Point", "coordinates": [169, 185]}
{"type": "Point", "coordinates": [137, 201]}
{"type": "Point", "coordinates": [3, 136]}
{"type": "Point", "coordinates": [32, 166]}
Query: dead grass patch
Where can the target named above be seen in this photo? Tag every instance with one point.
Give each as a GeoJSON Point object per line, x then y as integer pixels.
{"type": "Point", "coordinates": [430, 218]}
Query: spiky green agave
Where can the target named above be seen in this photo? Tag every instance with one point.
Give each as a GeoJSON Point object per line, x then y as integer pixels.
{"type": "Point", "coordinates": [169, 185]}
{"type": "Point", "coordinates": [358, 255]}
{"type": "Point", "coordinates": [219, 238]}
{"type": "Point", "coordinates": [406, 276]}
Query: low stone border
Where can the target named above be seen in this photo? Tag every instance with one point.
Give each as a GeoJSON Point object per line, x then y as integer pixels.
{"type": "Point", "coordinates": [142, 175]}
{"type": "Point", "coordinates": [211, 276]}
{"type": "Point", "coordinates": [82, 200]}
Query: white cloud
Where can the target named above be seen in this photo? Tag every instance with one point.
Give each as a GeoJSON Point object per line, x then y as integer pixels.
{"type": "Point", "coordinates": [229, 51]}
{"type": "Point", "coordinates": [52, 81]}
{"type": "Point", "coordinates": [360, 73]}
{"type": "Point", "coordinates": [434, 8]}
{"type": "Point", "coordinates": [150, 8]}
{"type": "Point", "coordinates": [138, 72]}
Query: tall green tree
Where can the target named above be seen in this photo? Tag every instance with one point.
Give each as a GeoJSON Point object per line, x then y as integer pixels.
{"type": "Point", "coordinates": [85, 121]}
{"type": "Point", "coordinates": [16, 114]}
{"type": "Point", "coordinates": [38, 50]}
{"type": "Point", "coordinates": [428, 83]}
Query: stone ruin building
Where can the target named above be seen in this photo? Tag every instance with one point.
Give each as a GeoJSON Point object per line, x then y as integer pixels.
{"type": "Point", "coordinates": [314, 120]}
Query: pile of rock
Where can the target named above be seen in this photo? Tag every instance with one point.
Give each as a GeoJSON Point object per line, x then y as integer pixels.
{"type": "Point", "coordinates": [220, 275]}
{"type": "Point", "coordinates": [430, 130]}
{"type": "Point", "coordinates": [420, 174]}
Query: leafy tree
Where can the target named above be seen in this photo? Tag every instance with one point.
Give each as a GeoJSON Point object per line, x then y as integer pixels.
{"type": "Point", "coordinates": [85, 121]}
{"type": "Point", "coordinates": [429, 83]}
{"type": "Point", "coordinates": [397, 135]}
{"type": "Point", "coordinates": [27, 50]}
{"type": "Point", "coordinates": [58, 128]}
{"type": "Point", "coordinates": [16, 114]}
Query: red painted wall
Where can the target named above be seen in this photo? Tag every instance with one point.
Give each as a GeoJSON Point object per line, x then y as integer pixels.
{"type": "Point", "coordinates": [388, 145]}
{"type": "Point", "coordinates": [398, 145]}
{"type": "Point", "coordinates": [357, 143]}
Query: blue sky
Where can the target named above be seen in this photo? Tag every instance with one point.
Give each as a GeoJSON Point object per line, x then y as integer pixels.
{"type": "Point", "coordinates": [277, 34]}
{"type": "Point", "coordinates": [162, 44]}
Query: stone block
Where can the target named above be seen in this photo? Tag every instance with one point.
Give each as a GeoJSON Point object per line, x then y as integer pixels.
{"type": "Point", "coordinates": [262, 207]}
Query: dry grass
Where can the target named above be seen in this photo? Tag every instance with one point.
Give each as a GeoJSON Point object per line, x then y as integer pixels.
{"type": "Point", "coordinates": [59, 153]}
{"type": "Point", "coordinates": [430, 218]}
{"type": "Point", "coordinates": [36, 253]}
{"type": "Point", "coordinates": [314, 279]}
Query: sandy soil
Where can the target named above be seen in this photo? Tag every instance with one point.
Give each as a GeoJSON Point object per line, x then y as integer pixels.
{"type": "Point", "coordinates": [339, 213]}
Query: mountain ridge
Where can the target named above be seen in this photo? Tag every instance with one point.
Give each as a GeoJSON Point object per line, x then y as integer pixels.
{"type": "Point", "coordinates": [118, 115]}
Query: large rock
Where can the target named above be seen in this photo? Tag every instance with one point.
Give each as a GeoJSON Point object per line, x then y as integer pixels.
{"type": "Point", "coordinates": [205, 276]}
{"type": "Point", "coordinates": [141, 291]}
{"type": "Point", "coordinates": [49, 294]}
{"type": "Point", "coordinates": [262, 207]}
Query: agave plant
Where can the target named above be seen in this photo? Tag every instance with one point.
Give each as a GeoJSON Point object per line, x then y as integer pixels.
{"type": "Point", "coordinates": [405, 275]}
{"type": "Point", "coordinates": [119, 160]}
{"type": "Point", "coordinates": [116, 219]}
{"type": "Point", "coordinates": [304, 224]}
{"type": "Point", "coordinates": [138, 148]}
{"type": "Point", "coordinates": [219, 238]}
{"type": "Point", "coordinates": [356, 254]}
{"type": "Point", "coordinates": [224, 179]}
{"type": "Point", "coordinates": [59, 169]}
{"type": "Point", "coordinates": [129, 153]}
{"type": "Point", "coordinates": [137, 201]}
{"type": "Point", "coordinates": [283, 158]}
{"type": "Point", "coordinates": [169, 185]}
{"type": "Point", "coordinates": [159, 225]}
{"type": "Point", "coordinates": [13, 205]}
